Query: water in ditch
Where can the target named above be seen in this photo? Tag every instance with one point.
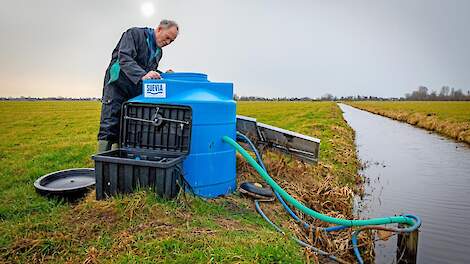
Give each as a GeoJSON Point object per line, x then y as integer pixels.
{"type": "Point", "coordinates": [410, 170]}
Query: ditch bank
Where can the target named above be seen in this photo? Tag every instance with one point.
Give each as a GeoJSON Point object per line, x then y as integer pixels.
{"type": "Point", "coordinates": [428, 120]}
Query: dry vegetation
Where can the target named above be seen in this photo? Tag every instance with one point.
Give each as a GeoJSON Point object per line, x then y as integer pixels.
{"type": "Point", "coordinates": [320, 193]}
{"type": "Point", "coordinates": [327, 187]}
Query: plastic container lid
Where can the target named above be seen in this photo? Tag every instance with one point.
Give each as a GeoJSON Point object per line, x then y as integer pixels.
{"type": "Point", "coordinates": [185, 76]}
{"type": "Point", "coordinates": [71, 182]}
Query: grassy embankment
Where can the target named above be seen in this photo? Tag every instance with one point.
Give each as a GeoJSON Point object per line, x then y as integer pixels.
{"type": "Point", "coordinates": [41, 137]}
{"type": "Point", "coordinates": [451, 119]}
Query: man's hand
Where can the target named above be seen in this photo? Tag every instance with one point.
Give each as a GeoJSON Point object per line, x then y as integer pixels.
{"type": "Point", "coordinates": [151, 75]}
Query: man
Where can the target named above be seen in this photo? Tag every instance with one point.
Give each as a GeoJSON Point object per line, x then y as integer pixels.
{"type": "Point", "coordinates": [134, 59]}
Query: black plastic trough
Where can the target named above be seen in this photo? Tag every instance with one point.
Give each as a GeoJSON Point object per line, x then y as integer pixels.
{"type": "Point", "coordinates": [68, 184]}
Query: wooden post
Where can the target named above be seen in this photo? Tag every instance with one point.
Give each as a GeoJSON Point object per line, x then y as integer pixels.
{"type": "Point", "coordinates": [407, 247]}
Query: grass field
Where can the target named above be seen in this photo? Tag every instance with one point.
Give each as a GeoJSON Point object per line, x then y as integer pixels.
{"type": "Point", "coordinates": [41, 137]}
{"type": "Point", "coordinates": [451, 119]}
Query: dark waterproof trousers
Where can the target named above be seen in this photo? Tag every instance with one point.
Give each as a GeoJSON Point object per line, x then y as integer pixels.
{"type": "Point", "coordinates": [113, 98]}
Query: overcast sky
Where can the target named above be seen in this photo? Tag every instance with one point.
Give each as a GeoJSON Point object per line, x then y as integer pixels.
{"type": "Point", "coordinates": [266, 48]}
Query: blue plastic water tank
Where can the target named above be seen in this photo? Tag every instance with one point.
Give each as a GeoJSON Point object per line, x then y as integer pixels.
{"type": "Point", "coordinates": [210, 165]}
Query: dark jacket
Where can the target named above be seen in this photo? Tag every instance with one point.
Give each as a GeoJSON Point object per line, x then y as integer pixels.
{"type": "Point", "coordinates": [134, 55]}
{"type": "Point", "coordinates": [131, 58]}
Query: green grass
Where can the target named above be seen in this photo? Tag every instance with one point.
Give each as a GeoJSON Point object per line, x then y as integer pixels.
{"type": "Point", "coordinates": [41, 137]}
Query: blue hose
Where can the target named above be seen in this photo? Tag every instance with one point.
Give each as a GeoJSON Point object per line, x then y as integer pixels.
{"type": "Point", "coordinates": [416, 225]}
{"type": "Point", "coordinates": [286, 207]}
{"type": "Point", "coordinates": [245, 139]}
{"type": "Point", "coordinates": [316, 250]}
{"type": "Point", "coordinates": [355, 248]}
{"type": "Point", "coordinates": [355, 234]}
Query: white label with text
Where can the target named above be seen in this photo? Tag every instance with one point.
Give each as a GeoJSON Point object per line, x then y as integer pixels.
{"type": "Point", "coordinates": [155, 90]}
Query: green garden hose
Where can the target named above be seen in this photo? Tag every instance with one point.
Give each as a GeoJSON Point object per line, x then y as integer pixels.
{"type": "Point", "coordinates": [305, 209]}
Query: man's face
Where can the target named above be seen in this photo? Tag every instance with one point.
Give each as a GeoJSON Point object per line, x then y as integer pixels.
{"type": "Point", "coordinates": [166, 36]}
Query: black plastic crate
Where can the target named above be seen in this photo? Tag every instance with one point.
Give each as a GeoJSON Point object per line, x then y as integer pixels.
{"type": "Point", "coordinates": [154, 141]}
{"type": "Point", "coordinates": [123, 171]}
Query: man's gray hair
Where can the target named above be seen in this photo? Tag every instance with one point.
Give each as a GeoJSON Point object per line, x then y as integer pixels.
{"type": "Point", "coordinates": [166, 23]}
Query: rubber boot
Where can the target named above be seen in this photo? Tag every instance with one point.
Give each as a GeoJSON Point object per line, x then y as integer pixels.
{"type": "Point", "coordinates": [105, 145]}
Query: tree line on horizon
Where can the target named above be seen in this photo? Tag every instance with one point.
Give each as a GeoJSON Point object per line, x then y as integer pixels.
{"type": "Point", "coordinates": [444, 94]}
{"type": "Point", "coordinates": [422, 93]}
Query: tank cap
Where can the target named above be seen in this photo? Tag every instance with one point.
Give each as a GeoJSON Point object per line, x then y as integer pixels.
{"type": "Point", "coordinates": [185, 76]}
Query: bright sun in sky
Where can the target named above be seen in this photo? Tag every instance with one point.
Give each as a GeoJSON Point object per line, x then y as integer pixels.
{"type": "Point", "coordinates": [147, 9]}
